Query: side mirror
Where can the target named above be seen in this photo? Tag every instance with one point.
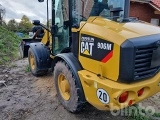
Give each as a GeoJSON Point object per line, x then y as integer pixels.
{"type": "Point", "coordinates": [36, 22]}
{"type": "Point", "coordinates": [40, 0]}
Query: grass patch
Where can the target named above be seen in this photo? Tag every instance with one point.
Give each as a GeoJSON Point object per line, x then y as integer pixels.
{"type": "Point", "coordinates": [12, 65]}
{"type": "Point", "coordinates": [26, 36]}
{"type": "Point", "coordinates": [137, 113]}
{"type": "Point", "coordinates": [27, 69]}
{"type": "Point", "coordinates": [9, 42]}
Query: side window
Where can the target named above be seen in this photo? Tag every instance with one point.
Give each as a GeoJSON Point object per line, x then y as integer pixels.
{"type": "Point", "coordinates": [61, 16]}
{"type": "Point", "coordinates": [81, 10]}
{"type": "Point", "coordinates": [88, 7]}
{"type": "Point", "coordinates": [76, 11]}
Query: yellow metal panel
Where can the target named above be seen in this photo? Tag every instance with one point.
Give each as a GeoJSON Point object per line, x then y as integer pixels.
{"type": "Point", "coordinates": [111, 68]}
{"type": "Point", "coordinates": [91, 83]}
{"type": "Point", "coordinates": [45, 37]}
{"type": "Point", "coordinates": [114, 32]}
{"type": "Point", "coordinates": [129, 29]}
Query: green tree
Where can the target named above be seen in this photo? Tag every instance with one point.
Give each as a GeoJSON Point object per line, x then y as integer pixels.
{"type": "Point", "coordinates": [2, 13]}
{"type": "Point", "coordinates": [12, 25]}
{"type": "Point", "coordinates": [25, 24]}
{"type": "Point", "coordinates": [4, 24]}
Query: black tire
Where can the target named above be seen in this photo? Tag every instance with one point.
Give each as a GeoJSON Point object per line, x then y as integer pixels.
{"type": "Point", "coordinates": [74, 103]}
{"type": "Point", "coordinates": [21, 51]}
{"type": "Point", "coordinates": [34, 70]}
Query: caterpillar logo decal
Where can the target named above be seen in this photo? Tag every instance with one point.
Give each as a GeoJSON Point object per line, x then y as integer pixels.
{"type": "Point", "coordinates": [87, 44]}
{"type": "Point", "coordinates": [96, 48]}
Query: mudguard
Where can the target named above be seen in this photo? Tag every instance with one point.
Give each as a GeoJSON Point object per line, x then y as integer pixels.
{"type": "Point", "coordinates": [75, 66]}
{"type": "Point", "coordinates": [42, 55]}
{"type": "Point", "coordinates": [24, 46]}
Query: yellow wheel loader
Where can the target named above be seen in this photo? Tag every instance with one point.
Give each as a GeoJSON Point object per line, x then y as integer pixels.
{"type": "Point", "coordinates": [98, 54]}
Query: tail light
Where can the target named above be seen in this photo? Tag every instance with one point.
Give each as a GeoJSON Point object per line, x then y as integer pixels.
{"type": "Point", "coordinates": [130, 102]}
{"type": "Point", "coordinates": [123, 97]}
{"type": "Point", "coordinates": [140, 92]}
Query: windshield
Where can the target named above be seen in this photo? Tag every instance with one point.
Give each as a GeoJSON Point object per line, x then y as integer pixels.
{"type": "Point", "coordinates": [109, 9]}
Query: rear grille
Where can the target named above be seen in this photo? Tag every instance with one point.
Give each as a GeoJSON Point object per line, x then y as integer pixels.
{"type": "Point", "coordinates": [143, 60]}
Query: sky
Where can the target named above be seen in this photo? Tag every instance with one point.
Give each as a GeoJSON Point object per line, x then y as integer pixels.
{"type": "Point", "coordinates": [33, 9]}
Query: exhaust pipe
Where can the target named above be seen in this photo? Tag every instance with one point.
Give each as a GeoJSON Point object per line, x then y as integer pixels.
{"type": "Point", "coordinates": [126, 8]}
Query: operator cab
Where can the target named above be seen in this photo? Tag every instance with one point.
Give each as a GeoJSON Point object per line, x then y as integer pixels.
{"type": "Point", "coordinates": [68, 14]}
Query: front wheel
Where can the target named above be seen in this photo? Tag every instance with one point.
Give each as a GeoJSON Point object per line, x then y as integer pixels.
{"type": "Point", "coordinates": [66, 88]}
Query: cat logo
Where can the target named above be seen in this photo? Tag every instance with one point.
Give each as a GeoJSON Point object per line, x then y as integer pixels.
{"type": "Point", "coordinates": [96, 48]}
{"type": "Point", "coordinates": [87, 44]}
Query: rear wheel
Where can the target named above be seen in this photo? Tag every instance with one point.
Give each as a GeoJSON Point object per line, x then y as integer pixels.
{"type": "Point", "coordinates": [66, 88]}
{"type": "Point", "coordinates": [33, 64]}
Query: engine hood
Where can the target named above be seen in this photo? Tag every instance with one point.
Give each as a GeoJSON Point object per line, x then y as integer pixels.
{"type": "Point", "coordinates": [129, 29]}
{"type": "Point", "coordinates": [101, 41]}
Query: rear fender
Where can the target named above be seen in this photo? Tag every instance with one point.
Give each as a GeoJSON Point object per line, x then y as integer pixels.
{"type": "Point", "coordinates": [42, 54]}
{"type": "Point", "coordinates": [25, 44]}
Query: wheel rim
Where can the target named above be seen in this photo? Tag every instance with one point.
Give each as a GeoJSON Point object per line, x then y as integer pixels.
{"type": "Point", "coordinates": [64, 87]}
{"type": "Point", "coordinates": [32, 61]}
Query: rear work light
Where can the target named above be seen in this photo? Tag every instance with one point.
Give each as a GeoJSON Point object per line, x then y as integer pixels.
{"type": "Point", "coordinates": [140, 92]}
{"type": "Point", "coordinates": [123, 97]}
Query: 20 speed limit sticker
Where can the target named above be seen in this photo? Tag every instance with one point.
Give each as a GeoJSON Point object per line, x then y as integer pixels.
{"type": "Point", "coordinates": [103, 96]}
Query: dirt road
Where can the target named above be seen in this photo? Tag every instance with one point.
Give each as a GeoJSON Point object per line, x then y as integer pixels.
{"type": "Point", "coordinates": [30, 98]}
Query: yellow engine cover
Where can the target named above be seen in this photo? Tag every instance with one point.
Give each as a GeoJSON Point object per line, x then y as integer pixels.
{"type": "Point", "coordinates": [100, 41]}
